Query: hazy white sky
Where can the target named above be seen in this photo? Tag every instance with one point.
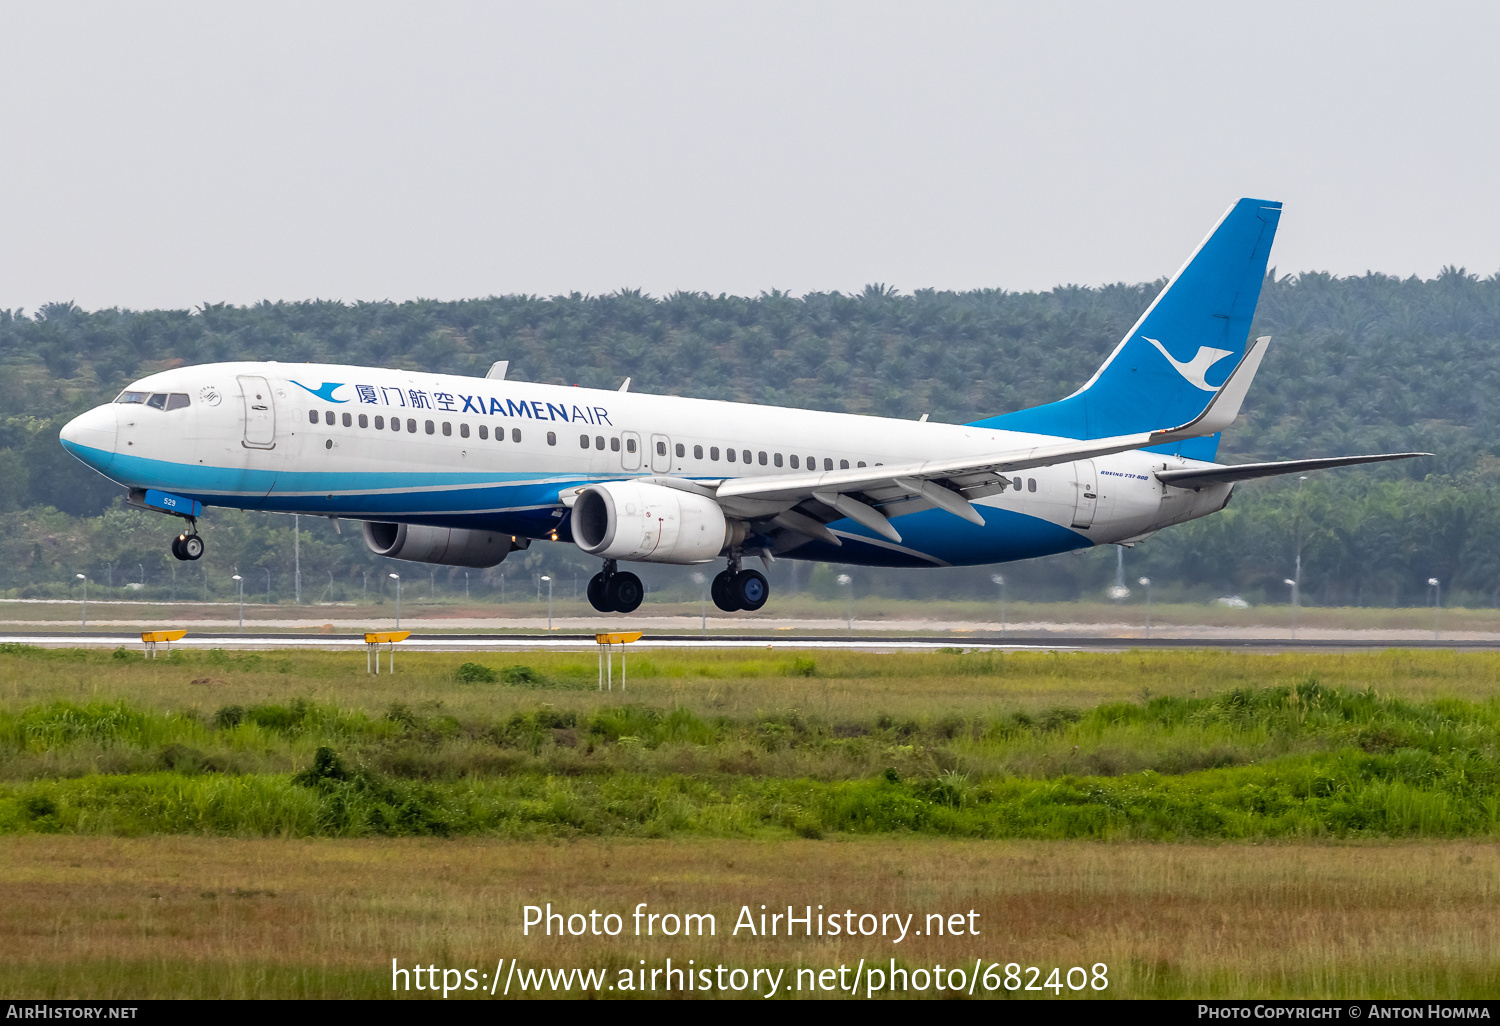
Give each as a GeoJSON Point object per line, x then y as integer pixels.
{"type": "Point", "coordinates": [156, 154]}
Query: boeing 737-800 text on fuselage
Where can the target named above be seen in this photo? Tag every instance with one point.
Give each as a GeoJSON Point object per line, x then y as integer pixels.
{"type": "Point", "coordinates": [461, 471]}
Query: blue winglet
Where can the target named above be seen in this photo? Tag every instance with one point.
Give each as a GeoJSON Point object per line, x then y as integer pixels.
{"type": "Point", "coordinates": [1169, 365]}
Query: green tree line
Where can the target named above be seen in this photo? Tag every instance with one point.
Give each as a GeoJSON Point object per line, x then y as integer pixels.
{"type": "Point", "coordinates": [1358, 364]}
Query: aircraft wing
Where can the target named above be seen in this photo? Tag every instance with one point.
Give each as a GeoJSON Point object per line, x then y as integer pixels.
{"type": "Point", "coordinates": [1197, 477]}
{"type": "Point", "coordinates": [949, 484]}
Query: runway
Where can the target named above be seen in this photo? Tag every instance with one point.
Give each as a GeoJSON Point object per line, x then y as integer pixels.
{"type": "Point", "coordinates": [440, 642]}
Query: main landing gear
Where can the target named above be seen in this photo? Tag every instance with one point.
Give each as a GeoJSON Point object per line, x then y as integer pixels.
{"type": "Point", "coordinates": [188, 545]}
{"type": "Point", "coordinates": [614, 591]}
{"type": "Point", "coordinates": [735, 589]}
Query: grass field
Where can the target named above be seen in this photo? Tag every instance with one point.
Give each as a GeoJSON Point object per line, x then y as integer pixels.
{"type": "Point", "coordinates": [201, 917]}
{"type": "Point", "coordinates": [1206, 823]}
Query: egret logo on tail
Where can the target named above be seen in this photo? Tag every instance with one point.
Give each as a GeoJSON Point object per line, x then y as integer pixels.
{"type": "Point", "coordinates": [1194, 370]}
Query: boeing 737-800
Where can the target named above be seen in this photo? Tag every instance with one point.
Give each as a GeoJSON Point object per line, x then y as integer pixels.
{"type": "Point", "coordinates": [461, 471]}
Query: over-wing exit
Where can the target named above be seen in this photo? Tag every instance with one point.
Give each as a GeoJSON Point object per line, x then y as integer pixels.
{"type": "Point", "coordinates": [462, 471]}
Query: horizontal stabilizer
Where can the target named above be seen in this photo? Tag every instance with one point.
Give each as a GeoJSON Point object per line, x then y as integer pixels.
{"type": "Point", "coordinates": [1196, 477]}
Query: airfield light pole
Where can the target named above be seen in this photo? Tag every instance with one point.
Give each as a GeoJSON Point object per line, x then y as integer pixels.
{"type": "Point", "coordinates": [1297, 572]}
{"type": "Point", "coordinates": [1296, 603]}
{"type": "Point", "coordinates": [999, 581]}
{"type": "Point", "coordinates": [174, 582]}
{"type": "Point", "coordinates": [432, 584]}
{"type": "Point", "coordinates": [141, 567]}
{"type": "Point", "coordinates": [364, 587]}
{"type": "Point", "coordinates": [702, 581]}
{"type": "Point", "coordinates": [109, 577]}
{"type": "Point", "coordinates": [1145, 582]}
{"type": "Point", "coordinates": [296, 559]}
{"type": "Point", "coordinates": [268, 584]}
{"type": "Point", "coordinates": [549, 600]}
{"type": "Point", "coordinates": [1437, 603]}
{"type": "Point", "coordinates": [397, 579]}
{"type": "Point", "coordinates": [466, 585]}
{"type": "Point", "coordinates": [844, 581]}
{"type": "Point", "coordinates": [241, 582]}
{"type": "Point", "coordinates": [83, 622]}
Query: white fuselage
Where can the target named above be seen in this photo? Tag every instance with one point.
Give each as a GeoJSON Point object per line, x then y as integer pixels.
{"type": "Point", "coordinates": [505, 455]}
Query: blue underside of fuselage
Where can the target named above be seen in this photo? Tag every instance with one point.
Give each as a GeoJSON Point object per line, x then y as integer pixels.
{"type": "Point", "coordinates": [528, 505]}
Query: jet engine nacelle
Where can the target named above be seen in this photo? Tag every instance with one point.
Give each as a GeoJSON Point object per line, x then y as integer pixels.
{"type": "Point", "coordinates": [450, 546]}
{"type": "Point", "coordinates": [633, 520]}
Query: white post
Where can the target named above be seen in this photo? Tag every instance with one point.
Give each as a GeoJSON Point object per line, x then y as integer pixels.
{"type": "Point", "coordinates": [397, 579]}
{"type": "Point", "coordinates": [1146, 583]}
{"type": "Point", "coordinates": [241, 582]}
{"type": "Point", "coordinates": [83, 623]}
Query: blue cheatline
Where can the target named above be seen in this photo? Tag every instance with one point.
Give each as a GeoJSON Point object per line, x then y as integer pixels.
{"type": "Point", "coordinates": [1168, 366]}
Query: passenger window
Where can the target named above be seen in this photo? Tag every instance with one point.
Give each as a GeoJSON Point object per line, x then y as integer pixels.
{"type": "Point", "coordinates": [843, 464]}
{"type": "Point", "coordinates": [1031, 484]}
{"type": "Point", "coordinates": [551, 437]}
{"type": "Point", "coordinates": [1016, 483]}
{"type": "Point", "coordinates": [484, 432]}
{"type": "Point", "coordinates": [614, 445]}
{"type": "Point", "coordinates": [630, 445]}
{"type": "Point", "coordinates": [447, 429]}
{"type": "Point", "coordinates": [431, 427]}
{"type": "Point", "coordinates": [746, 455]}
{"type": "Point", "coordinates": [762, 457]}
{"type": "Point", "coordinates": [827, 463]}
{"type": "Point", "coordinates": [312, 416]}
{"type": "Point", "coordinates": [411, 425]}
{"type": "Point", "coordinates": [812, 463]}
{"type": "Point", "coordinates": [583, 441]}
{"type": "Point", "coordinates": [713, 452]}
{"type": "Point", "coordinates": [380, 423]}
{"type": "Point", "coordinates": [661, 448]}
{"type": "Point", "coordinates": [729, 455]}
{"type": "Point", "coordinates": [599, 442]}
{"type": "Point", "coordinates": [159, 401]}
{"type": "Point", "coordinates": [178, 401]}
{"type": "Point", "coordinates": [697, 452]}
{"type": "Point", "coordinates": [463, 431]}
{"type": "Point", "coordinates": [795, 461]}
{"type": "Point", "coordinates": [364, 421]}
{"type": "Point", "coordinates": [681, 449]}
{"type": "Point", "coordinates": [861, 463]}
{"type": "Point", "coordinates": [776, 459]}
{"type": "Point", "coordinates": [515, 435]}
{"type": "Point", "coordinates": [348, 420]}
{"type": "Point", "coordinates": [328, 418]}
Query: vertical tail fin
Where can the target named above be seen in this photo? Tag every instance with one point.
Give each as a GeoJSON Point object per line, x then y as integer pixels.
{"type": "Point", "coordinates": [1172, 361]}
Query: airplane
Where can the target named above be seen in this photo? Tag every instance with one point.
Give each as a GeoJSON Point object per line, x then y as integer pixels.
{"type": "Point", "coordinates": [462, 471]}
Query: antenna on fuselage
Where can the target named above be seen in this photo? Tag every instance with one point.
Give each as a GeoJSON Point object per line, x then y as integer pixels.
{"type": "Point", "coordinates": [625, 386]}
{"type": "Point", "coordinates": [498, 369]}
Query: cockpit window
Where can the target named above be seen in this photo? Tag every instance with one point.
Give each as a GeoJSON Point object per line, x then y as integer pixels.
{"type": "Point", "coordinates": [133, 397]}
{"type": "Point", "coordinates": [158, 401]}
{"type": "Point", "coordinates": [177, 401]}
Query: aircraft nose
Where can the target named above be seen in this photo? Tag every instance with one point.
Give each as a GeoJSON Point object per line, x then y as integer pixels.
{"type": "Point", "coordinates": [91, 436]}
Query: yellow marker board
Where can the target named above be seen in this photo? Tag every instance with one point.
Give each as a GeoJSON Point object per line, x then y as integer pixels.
{"type": "Point", "coordinates": [156, 637]}
{"type": "Point", "coordinates": [385, 637]}
{"type": "Point", "coordinates": [621, 638]}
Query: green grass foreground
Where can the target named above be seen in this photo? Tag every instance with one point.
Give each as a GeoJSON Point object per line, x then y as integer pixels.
{"type": "Point", "coordinates": [527, 751]}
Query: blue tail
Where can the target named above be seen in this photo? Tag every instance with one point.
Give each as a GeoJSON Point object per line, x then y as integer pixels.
{"type": "Point", "coordinates": [1169, 365]}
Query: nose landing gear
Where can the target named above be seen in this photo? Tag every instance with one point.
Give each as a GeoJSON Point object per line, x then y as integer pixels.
{"type": "Point", "coordinates": [188, 546]}
{"type": "Point", "coordinates": [614, 591]}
